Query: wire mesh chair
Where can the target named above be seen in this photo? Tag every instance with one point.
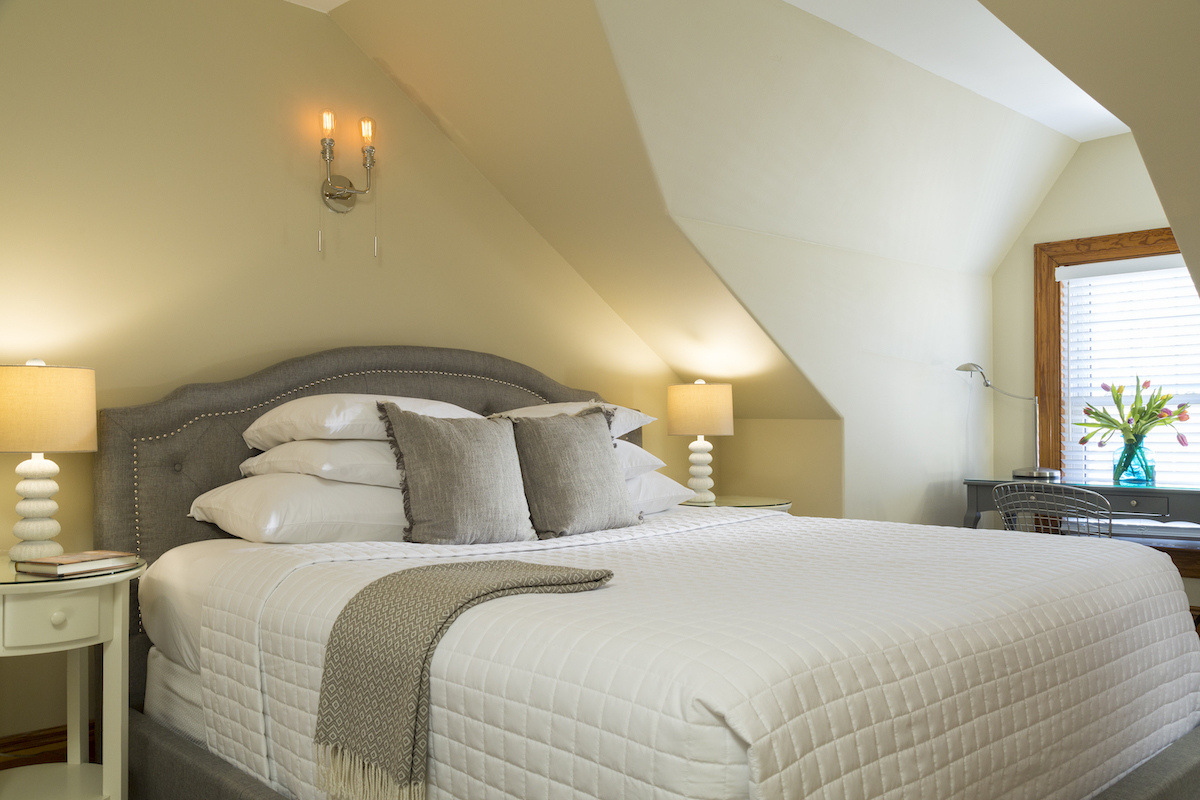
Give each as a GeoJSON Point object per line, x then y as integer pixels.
{"type": "Point", "coordinates": [1040, 507]}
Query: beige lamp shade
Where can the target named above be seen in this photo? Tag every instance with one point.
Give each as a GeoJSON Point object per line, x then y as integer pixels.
{"type": "Point", "coordinates": [700, 409]}
{"type": "Point", "coordinates": [47, 409]}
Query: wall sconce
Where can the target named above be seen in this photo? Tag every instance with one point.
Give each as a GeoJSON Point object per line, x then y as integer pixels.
{"type": "Point", "coordinates": [337, 191]}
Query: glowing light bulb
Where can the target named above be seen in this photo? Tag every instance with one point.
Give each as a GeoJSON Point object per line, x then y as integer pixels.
{"type": "Point", "coordinates": [368, 131]}
{"type": "Point", "coordinates": [327, 123]}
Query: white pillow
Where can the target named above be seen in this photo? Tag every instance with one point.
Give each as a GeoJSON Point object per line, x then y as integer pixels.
{"type": "Point", "coordinates": [654, 492]}
{"type": "Point", "coordinates": [621, 420]}
{"type": "Point", "coordinates": [301, 509]}
{"type": "Point", "coordinates": [338, 416]}
{"type": "Point", "coordinates": [636, 461]}
{"type": "Point", "coordinates": [347, 460]}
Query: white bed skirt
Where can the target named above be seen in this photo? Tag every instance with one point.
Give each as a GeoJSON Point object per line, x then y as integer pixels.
{"type": "Point", "coordinates": [173, 697]}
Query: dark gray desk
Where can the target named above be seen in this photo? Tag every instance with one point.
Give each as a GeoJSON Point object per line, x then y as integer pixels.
{"type": "Point", "coordinates": [1156, 503]}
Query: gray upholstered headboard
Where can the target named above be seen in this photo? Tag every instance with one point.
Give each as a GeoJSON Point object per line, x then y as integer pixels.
{"type": "Point", "coordinates": [156, 458]}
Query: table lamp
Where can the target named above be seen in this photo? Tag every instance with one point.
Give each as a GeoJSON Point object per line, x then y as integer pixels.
{"type": "Point", "coordinates": [700, 409]}
{"type": "Point", "coordinates": [43, 410]}
{"type": "Point", "coordinates": [1037, 471]}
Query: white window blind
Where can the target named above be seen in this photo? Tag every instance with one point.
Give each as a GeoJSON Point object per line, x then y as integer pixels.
{"type": "Point", "coordinates": [1118, 328]}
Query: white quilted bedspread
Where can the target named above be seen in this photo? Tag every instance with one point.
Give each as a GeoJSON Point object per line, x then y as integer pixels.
{"type": "Point", "coordinates": [743, 654]}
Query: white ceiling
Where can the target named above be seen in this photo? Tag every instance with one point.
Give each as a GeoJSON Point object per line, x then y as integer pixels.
{"type": "Point", "coordinates": [319, 5]}
{"type": "Point", "coordinates": [759, 117]}
{"type": "Point", "coordinates": [962, 41]}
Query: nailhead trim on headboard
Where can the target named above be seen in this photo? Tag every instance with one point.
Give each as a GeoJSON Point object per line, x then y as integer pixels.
{"type": "Point", "coordinates": [155, 463]}
{"type": "Point", "coordinates": [137, 529]}
{"type": "Point", "coordinates": [137, 522]}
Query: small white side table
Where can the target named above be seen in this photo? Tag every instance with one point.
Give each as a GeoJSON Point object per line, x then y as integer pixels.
{"type": "Point", "coordinates": [742, 501]}
{"type": "Point", "coordinates": [47, 615]}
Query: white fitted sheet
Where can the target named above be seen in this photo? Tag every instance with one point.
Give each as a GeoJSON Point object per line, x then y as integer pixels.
{"type": "Point", "coordinates": [742, 654]}
{"type": "Point", "coordinates": [173, 697]}
{"type": "Point", "coordinates": [171, 595]}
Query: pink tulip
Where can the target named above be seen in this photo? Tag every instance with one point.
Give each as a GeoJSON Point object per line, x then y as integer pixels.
{"type": "Point", "coordinates": [1106, 387]}
{"type": "Point", "coordinates": [1182, 439]}
{"type": "Point", "coordinates": [1145, 384]}
{"type": "Point", "coordinates": [1183, 416]}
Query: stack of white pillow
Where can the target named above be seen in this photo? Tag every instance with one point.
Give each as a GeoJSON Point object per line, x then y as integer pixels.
{"type": "Point", "coordinates": [328, 473]}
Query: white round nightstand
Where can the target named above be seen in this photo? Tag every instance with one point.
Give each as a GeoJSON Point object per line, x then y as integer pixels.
{"type": "Point", "coordinates": [48, 615]}
{"type": "Point", "coordinates": [742, 501]}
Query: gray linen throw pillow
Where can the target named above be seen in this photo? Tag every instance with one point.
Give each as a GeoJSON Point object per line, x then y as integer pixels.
{"type": "Point", "coordinates": [462, 478]}
{"type": "Point", "coordinates": [573, 479]}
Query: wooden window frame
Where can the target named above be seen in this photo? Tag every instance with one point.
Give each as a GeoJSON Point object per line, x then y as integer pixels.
{"type": "Point", "coordinates": [1048, 314]}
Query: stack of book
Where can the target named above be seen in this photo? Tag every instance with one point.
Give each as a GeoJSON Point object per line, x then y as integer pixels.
{"type": "Point", "coordinates": [69, 564]}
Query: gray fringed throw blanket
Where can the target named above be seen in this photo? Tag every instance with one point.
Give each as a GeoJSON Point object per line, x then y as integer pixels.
{"type": "Point", "coordinates": [373, 717]}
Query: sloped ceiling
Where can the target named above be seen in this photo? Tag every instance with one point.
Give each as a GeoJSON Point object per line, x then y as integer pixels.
{"type": "Point", "coordinates": [761, 116]}
{"type": "Point", "coordinates": [857, 205]}
{"type": "Point", "coordinates": [962, 41]}
{"type": "Point", "coordinates": [529, 92]}
{"type": "Point", "coordinates": [1141, 61]}
{"type": "Point", "coordinates": [760, 194]}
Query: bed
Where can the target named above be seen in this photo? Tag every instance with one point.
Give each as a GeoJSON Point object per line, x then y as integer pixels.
{"type": "Point", "coordinates": [735, 653]}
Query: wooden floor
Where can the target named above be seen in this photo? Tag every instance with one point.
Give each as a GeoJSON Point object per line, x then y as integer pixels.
{"type": "Point", "coordinates": [41, 747]}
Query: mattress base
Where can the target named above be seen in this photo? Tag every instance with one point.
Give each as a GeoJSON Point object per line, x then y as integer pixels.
{"type": "Point", "coordinates": [1173, 774]}
{"type": "Point", "coordinates": [164, 764]}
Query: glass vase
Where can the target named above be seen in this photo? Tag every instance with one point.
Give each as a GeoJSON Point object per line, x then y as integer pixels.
{"type": "Point", "coordinates": [1133, 464]}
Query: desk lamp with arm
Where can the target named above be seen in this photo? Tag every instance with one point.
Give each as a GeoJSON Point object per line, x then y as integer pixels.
{"type": "Point", "coordinates": [1036, 472]}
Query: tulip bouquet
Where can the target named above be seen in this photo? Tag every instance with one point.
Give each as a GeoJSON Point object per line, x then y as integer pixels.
{"type": "Point", "coordinates": [1133, 423]}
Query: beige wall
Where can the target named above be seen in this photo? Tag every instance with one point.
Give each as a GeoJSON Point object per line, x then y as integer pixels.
{"type": "Point", "coordinates": [785, 458]}
{"type": "Point", "coordinates": [165, 229]}
{"type": "Point", "coordinates": [529, 92]}
{"type": "Point", "coordinates": [887, 352]}
{"type": "Point", "coordinates": [1104, 189]}
{"type": "Point", "coordinates": [856, 205]}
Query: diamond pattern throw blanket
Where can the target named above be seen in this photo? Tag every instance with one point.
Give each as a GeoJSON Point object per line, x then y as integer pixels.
{"type": "Point", "coordinates": [373, 715]}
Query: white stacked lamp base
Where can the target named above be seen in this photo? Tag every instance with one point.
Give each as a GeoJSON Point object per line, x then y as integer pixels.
{"type": "Point", "coordinates": [37, 529]}
{"type": "Point", "coordinates": [700, 482]}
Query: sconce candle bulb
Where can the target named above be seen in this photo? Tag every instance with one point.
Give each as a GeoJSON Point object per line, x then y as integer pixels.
{"type": "Point", "coordinates": [337, 191]}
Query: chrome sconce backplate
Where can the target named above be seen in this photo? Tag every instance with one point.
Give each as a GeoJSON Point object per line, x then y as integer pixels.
{"type": "Point", "coordinates": [335, 196]}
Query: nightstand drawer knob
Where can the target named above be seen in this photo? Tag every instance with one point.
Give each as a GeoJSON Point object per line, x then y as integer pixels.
{"type": "Point", "coordinates": [1133, 503]}
{"type": "Point", "coordinates": [51, 618]}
